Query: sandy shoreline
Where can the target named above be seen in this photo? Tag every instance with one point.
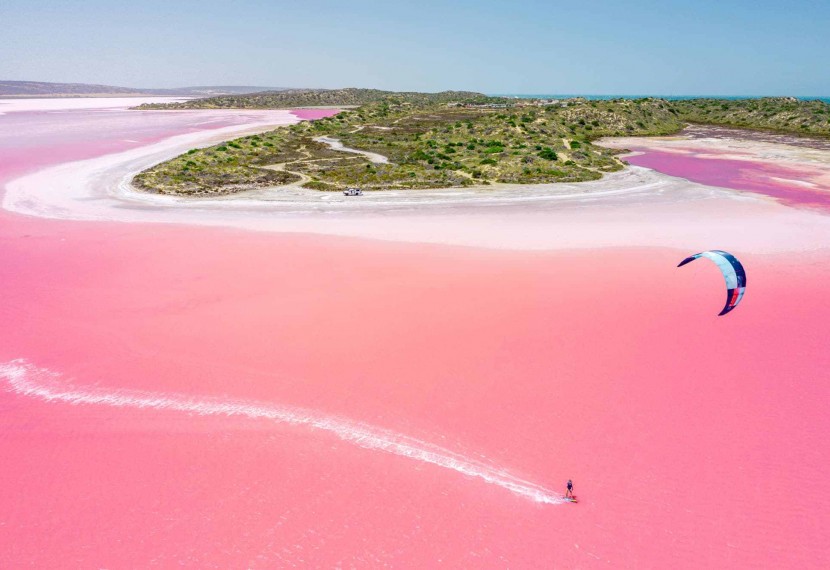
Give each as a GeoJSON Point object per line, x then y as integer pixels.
{"type": "Point", "coordinates": [635, 207]}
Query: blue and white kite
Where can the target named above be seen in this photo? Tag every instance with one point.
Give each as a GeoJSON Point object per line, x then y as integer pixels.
{"type": "Point", "coordinates": [733, 273]}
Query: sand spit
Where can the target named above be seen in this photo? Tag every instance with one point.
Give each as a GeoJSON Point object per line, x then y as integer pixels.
{"type": "Point", "coordinates": [635, 207]}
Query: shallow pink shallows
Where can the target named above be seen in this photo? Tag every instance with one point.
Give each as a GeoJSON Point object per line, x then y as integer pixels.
{"type": "Point", "coordinates": [32, 139]}
{"type": "Point", "coordinates": [312, 114]}
{"type": "Point", "coordinates": [782, 182]}
{"type": "Point", "coordinates": [694, 441]}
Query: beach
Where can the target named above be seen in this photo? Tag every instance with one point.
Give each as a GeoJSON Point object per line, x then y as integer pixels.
{"type": "Point", "coordinates": [291, 378]}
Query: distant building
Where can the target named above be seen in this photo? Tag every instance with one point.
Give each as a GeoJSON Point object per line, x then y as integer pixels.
{"type": "Point", "coordinates": [485, 105]}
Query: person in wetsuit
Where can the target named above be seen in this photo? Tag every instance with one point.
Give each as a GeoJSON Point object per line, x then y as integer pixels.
{"type": "Point", "coordinates": [570, 493]}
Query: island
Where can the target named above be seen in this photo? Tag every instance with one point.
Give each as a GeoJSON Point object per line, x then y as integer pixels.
{"type": "Point", "coordinates": [391, 140]}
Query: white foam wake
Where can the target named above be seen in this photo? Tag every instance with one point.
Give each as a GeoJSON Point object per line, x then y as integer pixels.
{"type": "Point", "coordinates": [28, 380]}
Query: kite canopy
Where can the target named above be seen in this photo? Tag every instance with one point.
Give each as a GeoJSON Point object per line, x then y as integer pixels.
{"type": "Point", "coordinates": [733, 273]}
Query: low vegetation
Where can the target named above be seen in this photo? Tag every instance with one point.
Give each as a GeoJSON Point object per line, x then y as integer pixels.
{"type": "Point", "coordinates": [449, 139]}
{"type": "Point", "coordinates": [783, 114]}
{"type": "Point", "coordinates": [429, 144]}
{"type": "Point", "coordinates": [288, 98]}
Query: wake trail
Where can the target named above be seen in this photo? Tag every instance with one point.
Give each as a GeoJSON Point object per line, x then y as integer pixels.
{"type": "Point", "coordinates": [27, 380]}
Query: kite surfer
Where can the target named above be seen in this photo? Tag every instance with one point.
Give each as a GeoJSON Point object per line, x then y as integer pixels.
{"type": "Point", "coordinates": [570, 493]}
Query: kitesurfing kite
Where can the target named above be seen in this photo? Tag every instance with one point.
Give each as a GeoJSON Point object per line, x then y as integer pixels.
{"type": "Point", "coordinates": [733, 273]}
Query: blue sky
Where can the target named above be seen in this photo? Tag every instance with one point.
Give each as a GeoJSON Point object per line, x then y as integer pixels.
{"type": "Point", "coordinates": [727, 47]}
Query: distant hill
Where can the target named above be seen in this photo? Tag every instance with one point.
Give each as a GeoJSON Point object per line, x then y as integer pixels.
{"type": "Point", "coordinates": [10, 89]}
{"type": "Point", "coordinates": [784, 114]}
{"type": "Point", "coordinates": [318, 98]}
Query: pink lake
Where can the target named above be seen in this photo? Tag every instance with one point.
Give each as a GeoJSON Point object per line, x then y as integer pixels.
{"type": "Point", "coordinates": [312, 114]}
{"type": "Point", "coordinates": [179, 395]}
{"type": "Point", "coordinates": [33, 138]}
{"type": "Point", "coordinates": [796, 185]}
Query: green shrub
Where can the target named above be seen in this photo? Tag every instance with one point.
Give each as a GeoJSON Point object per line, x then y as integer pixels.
{"type": "Point", "coordinates": [548, 154]}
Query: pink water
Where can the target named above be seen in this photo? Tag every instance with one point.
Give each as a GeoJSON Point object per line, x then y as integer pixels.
{"type": "Point", "coordinates": [800, 185]}
{"type": "Point", "coordinates": [312, 114]}
{"type": "Point", "coordinates": [693, 441]}
{"type": "Point", "coordinates": [33, 139]}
